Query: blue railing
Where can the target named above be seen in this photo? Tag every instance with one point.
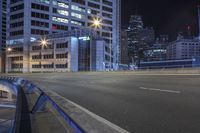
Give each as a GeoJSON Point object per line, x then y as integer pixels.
{"type": "Point", "coordinates": [11, 122]}
{"type": "Point", "coordinates": [40, 103]}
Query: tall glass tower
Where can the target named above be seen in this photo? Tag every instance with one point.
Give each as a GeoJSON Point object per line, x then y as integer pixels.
{"type": "Point", "coordinates": [133, 31]}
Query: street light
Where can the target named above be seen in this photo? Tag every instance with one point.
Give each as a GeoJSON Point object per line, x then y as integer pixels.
{"type": "Point", "coordinates": [96, 22]}
{"type": "Point", "coordinates": [9, 49]}
{"type": "Point", "coordinates": [3, 56]}
{"type": "Point", "coordinates": [43, 43]}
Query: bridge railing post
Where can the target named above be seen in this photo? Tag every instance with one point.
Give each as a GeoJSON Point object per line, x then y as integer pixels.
{"type": "Point", "coordinates": [40, 103]}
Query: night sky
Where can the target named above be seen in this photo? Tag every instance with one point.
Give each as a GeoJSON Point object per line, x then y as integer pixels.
{"type": "Point", "coordinates": [165, 16]}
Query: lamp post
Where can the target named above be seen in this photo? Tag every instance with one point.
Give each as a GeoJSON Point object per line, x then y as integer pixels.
{"type": "Point", "coordinates": [97, 23]}
{"type": "Point", "coordinates": [43, 43]}
{"type": "Point", "coordinates": [5, 52]}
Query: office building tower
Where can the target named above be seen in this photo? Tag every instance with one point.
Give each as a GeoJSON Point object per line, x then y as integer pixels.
{"type": "Point", "coordinates": [139, 38]}
{"type": "Point", "coordinates": [29, 19]}
{"type": "Point", "coordinates": [3, 4]}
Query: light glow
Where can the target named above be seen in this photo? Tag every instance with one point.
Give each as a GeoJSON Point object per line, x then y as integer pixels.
{"type": "Point", "coordinates": [85, 38]}
{"type": "Point", "coordinates": [9, 49]}
{"type": "Point", "coordinates": [44, 42]}
{"type": "Point", "coordinates": [96, 23]}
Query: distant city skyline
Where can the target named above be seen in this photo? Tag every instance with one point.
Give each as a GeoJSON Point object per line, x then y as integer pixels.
{"type": "Point", "coordinates": [166, 17]}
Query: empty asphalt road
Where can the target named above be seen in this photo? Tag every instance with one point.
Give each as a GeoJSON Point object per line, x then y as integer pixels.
{"type": "Point", "coordinates": [6, 119]}
{"type": "Point", "coordinates": [137, 103]}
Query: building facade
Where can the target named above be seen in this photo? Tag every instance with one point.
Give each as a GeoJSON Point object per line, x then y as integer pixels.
{"type": "Point", "coordinates": [158, 51]}
{"type": "Point", "coordinates": [29, 19]}
{"type": "Point", "coordinates": [183, 49]}
{"type": "Point", "coordinates": [133, 31]}
{"type": "Point", "coordinates": [139, 38]}
{"type": "Point", "coordinates": [3, 4]}
{"type": "Point", "coordinates": [70, 51]}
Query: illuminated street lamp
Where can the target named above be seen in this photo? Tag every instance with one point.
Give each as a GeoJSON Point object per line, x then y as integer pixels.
{"type": "Point", "coordinates": [96, 22]}
{"type": "Point", "coordinates": [44, 42]}
{"type": "Point", "coordinates": [9, 49]}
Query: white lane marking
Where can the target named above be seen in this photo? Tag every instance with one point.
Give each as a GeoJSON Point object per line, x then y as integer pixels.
{"type": "Point", "coordinates": [154, 89]}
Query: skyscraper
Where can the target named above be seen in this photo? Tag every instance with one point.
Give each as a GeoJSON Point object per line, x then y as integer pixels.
{"type": "Point", "coordinates": [134, 28]}
{"type": "Point", "coordinates": [3, 22]}
{"type": "Point", "coordinates": [29, 19]}
{"type": "Point", "coordinates": [2, 32]}
{"type": "Point", "coordinates": [139, 38]}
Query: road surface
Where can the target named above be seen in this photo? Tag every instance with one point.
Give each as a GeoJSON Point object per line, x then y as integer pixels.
{"type": "Point", "coordinates": [137, 103]}
{"type": "Point", "coordinates": [6, 119]}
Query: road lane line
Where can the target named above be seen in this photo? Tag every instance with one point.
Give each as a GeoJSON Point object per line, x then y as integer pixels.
{"type": "Point", "coordinates": [154, 89]}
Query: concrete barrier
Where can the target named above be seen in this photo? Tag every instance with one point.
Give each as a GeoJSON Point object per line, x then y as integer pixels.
{"type": "Point", "coordinates": [79, 119]}
{"type": "Point", "coordinates": [10, 83]}
{"type": "Point", "coordinates": [88, 121]}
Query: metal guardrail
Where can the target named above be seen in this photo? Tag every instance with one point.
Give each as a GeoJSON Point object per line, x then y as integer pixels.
{"type": "Point", "coordinates": [170, 66]}
{"type": "Point", "coordinates": [9, 81]}
{"type": "Point", "coordinates": [43, 99]}
{"type": "Point", "coordinates": [40, 103]}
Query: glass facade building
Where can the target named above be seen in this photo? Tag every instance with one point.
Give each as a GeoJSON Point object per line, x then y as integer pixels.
{"type": "Point", "coordinates": [29, 19]}
{"type": "Point", "coordinates": [70, 51]}
{"type": "Point", "coordinates": [84, 55]}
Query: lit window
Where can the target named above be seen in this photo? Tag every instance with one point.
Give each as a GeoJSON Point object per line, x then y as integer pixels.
{"type": "Point", "coordinates": [60, 4]}
{"type": "Point", "coordinates": [77, 8]}
{"type": "Point", "coordinates": [76, 23]}
{"type": "Point", "coordinates": [76, 15]}
{"type": "Point", "coordinates": [89, 11]}
{"type": "Point", "coordinates": [62, 12]}
{"type": "Point", "coordinates": [43, 1]}
{"type": "Point", "coordinates": [57, 19]}
{"type": "Point", "coordinates": [15, 41]}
